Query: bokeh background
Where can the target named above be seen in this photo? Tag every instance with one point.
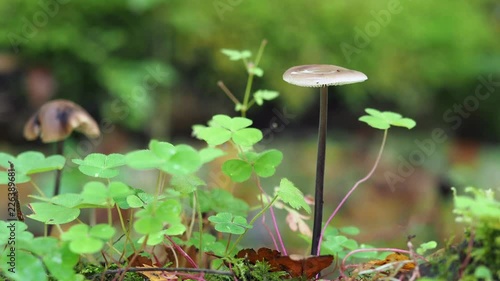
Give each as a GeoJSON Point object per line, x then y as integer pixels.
{"type": "Point", "coordinates": [150, 69]}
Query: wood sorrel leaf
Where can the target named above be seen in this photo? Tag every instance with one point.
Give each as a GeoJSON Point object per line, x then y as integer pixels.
{"type": "Point", "coordinates": [99, 165]}
{"type": "Point", "coordinates": [262, 95]}
{"type": "Point", "coordinates": [237, 170]}
{"type": "Point", "coordinates": [28, 163]}
{"type": "Point", "coordinates": [265, 165]}
{"type": "Point", "coordinates": [247, 137]}
{"type": "Point", "coordinates": [227, 223]}
{"type": "Point", "coordinates": [384, 120]}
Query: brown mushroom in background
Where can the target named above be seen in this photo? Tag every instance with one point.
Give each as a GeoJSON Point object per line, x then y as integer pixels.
{"type": "Point", "coordinates": [55, 121]}
{"type": "Point", "coordinates": [321, 76]}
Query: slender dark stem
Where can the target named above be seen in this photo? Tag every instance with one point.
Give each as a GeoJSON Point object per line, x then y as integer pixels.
{"type": "Point", "coordinates": [59, 151]}
{"type": "Point", "coordinates": [320, 169]}
{"type": "Point", "coordinates": [57, 185]}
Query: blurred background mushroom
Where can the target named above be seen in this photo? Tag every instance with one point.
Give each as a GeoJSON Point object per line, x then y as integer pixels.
{"type": "Point", "coordinates": [55, 121]}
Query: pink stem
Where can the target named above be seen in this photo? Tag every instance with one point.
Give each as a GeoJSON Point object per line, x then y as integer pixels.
{"type": "Point", "coordinates": [352, 190]}
{"type": "Point", "coordinates": [188, 258]}
{"type": "Point", "coordinates": [273, 218]}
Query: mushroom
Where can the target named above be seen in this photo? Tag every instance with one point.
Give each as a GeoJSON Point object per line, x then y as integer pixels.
{"type": "Point", "coordinates": [321, 76]}
{"type": "Point", "coordinates": [55, 121]}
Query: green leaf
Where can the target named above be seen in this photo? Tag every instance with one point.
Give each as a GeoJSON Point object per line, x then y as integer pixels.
{"type": "Point", "coordinates": [262, 95]}
{"type": "Point", "coordinates": [238, 123]}
{"type": "Point", "coordinates": [28, 163]}
{"type": "Point", "coordinates": [227, 223]}
{"type": "Point", "coordinates": [208, 154]}
{"type": "Point", "coordinates": [154, 216]}
{"type": "Point", "coordinates": [163, 150]}
{"type": "Point", "coordinates": [221, 120]}
{"type": "Point", "coordinates": [384, 120]}
{"type": "Point", "coordinates": [291, 195]}
{"type": "Point", "coordinates": [134, 201]}
{"type": "Point", "coordinates": [214, 135]}
{"type": "Point", "coordinates": [149, 224]}
{"type": "Point", "coordinates": [350, 230]}
{"type": "Point", "coordinates": [100, 165]}
{"type": "Point", "coordinates": [61, 262]}
{"type": "Point", "coordinates": [35, 162]}
{"type": "Point", "coordinates": [86, 245]}
{"type": "Point", "coordinates": [237, 170]}
{"type": "Point", "coordinates": [405, 122]}
{"type": "Point", "coordinates": [102, 231]}
{"type": "Point", "coordinates": [375, 122]}
{"type": "Point", "coordinates": [426, 246]}
{"type": "Point", "coordinates": [220, 200]}
{"type": "Point", "coordinates": [257, 71]}
{"type": "Point", "coordinates": [118, 189]}
{"type": "Point", "coordinates": [143, 160]}
{"type": "Point", "coordinates": [185, 160]}
{"type": "Point", "coordinates": [28, 267]}
{"type": "Point", "coordinates": [96, 193]}
{"type": "Point", "coordinates": [482, 272]}
{"type": "Point", "coordinates": [52, 214]}
{"type": "Point", "coordinates": [265, 165]}
{"type": "Point", "coordinates": [235, 54]}
{"type": "Point", "coordinates": [186, 184]}
{"type": "Point", "coordinates": [247, 137]}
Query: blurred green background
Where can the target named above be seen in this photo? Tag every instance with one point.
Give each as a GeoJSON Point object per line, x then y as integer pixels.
{"type": "Point", "coordinates": [150, 67]}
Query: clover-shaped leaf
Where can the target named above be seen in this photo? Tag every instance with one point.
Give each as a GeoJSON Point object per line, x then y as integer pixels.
{"type": "Point", "coordinates": [223, 128]}
{"type": "Point", "coordinates": [235, 54]}
{"type": "Point", "coordinates": [208, 154]}
{"type": "Point", "coordinates": [262, 95]}
{"type": "Point", "coordinates": [238, 170]}
{"type": "Point", "coordinates": [227, 223]}
{"type": "Point", "coordinates": [99, 165]}
{"type": "Point", "coordinates": [176, 160]}
{"type": "Point", "coordinates": [384, 120]}
{"type": "Point", "coordinates": [153, 217]}
{"type": "Point", "coordinates": [85, 240]}
{"type": "Point", "coordinates": [28, 163]}
{"type": "Point", "coordinates": [265, 165]}
{"type": "Point", "coordinates": [291, 195]}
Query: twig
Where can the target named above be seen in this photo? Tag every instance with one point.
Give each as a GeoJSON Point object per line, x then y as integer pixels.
{"type": "Point", "coordinates": [227, 92]}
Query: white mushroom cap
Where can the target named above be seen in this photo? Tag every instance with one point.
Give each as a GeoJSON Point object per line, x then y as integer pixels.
{"type": "Point", "coordinates": [319, 75]}
{"type": "Point", "coordinates": [55, 121]}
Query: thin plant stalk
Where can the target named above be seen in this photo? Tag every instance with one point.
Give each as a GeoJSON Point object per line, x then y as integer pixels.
{"type": "Point", "coordinates": [320, 170]}
{"type": "Point", "coordinates": [57, 185]}
{"type": "Point", "coordinates": [352, 190]}
{"type": "Point", "coordinates": [273, 217]}
{"type": "Point", "coordinates": [252, 221]}
{"type": "Point", "coordinates": [59, 151]}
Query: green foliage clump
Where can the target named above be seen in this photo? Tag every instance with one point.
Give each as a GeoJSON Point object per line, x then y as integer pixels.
{"type": "Point", "coordinates": [478, 256]}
